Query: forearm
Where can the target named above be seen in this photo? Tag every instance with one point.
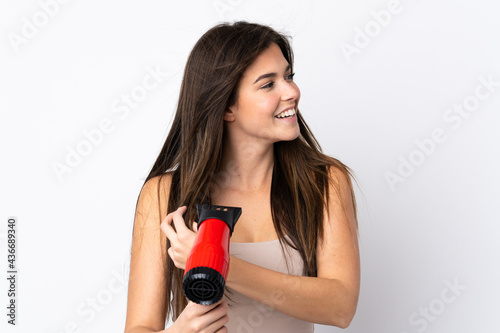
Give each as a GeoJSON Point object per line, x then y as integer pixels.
{"type": "Point", "coordinates": [313, 299]}
{"type": "Point", "coordinates": [144, 329]}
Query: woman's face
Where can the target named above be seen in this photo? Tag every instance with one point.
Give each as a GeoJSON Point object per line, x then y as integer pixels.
{"type": "Point", "coordinates": [265, 91]}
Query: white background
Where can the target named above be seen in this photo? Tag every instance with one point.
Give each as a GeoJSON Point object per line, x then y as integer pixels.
{"type": "Point", "coordinates": [437, 226]}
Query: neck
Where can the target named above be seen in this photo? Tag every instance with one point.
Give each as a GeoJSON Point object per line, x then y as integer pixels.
{"type": "Point", "coordinates": [246, 166]}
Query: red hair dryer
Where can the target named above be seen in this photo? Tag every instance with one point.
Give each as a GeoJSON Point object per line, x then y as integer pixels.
{"type": "Point", "coordinates": [207, 264]}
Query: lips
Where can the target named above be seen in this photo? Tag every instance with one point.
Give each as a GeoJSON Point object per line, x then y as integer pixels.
{"type": "Point", "coordinates": [287, 113]}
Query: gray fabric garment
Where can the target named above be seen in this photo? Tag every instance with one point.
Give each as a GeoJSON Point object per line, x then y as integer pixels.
{"type": "Point", "coordinates": [247, 315]}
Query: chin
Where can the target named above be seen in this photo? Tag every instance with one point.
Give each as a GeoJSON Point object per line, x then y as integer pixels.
{"type": "Point", "coordinates": [291, 137]}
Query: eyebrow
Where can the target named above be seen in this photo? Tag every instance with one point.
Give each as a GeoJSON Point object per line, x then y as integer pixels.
{"type": "Point", "coordinates": [265, 76]}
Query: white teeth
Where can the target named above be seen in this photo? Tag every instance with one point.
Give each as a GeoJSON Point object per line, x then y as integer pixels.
{"type": "Point", "coordinates": [286, 113]}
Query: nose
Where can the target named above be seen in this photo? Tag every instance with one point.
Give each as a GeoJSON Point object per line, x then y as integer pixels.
{"type": "Point", "coordinates": [290, 91]}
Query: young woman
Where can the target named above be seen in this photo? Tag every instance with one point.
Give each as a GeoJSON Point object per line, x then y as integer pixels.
{"type": "Point", "coordinates": [238, 139]}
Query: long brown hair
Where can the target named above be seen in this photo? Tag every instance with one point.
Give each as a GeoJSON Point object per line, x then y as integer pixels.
{"type": "Point", "coordinates": [193, 149]}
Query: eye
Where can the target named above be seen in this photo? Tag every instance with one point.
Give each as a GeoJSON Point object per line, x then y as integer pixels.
{"type": "Point", "coordinates": [290, 76]}
{"type": "Point", "coordinates": [269, 85]}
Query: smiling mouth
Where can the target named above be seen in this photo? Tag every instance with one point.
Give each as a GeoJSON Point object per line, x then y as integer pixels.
{"type": "Point", "coordinates": [286, 114]}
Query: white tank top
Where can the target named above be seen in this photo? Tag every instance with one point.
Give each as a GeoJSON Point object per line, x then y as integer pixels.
{"type": "Point", "coordinates": [247, 315]}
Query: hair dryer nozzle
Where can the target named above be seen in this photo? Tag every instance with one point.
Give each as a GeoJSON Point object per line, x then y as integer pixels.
{"type": "Point", "coordinates": [224, 213]}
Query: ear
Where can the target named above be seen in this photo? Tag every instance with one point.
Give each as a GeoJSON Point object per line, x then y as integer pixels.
{"type": "Point", "coordinates": [229, 115]}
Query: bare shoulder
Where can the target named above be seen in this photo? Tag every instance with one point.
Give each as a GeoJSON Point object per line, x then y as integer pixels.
{"type": "Point", "coordinates": [157, 185]}
{"type": "Point", "coordinates": [154, 195]}
{"type": "Point", "coordinates": [151, 209]}
{"type": "Point", "coordinates": [340, 177]}
{"type": "Point", "coordinates": [341, 195]}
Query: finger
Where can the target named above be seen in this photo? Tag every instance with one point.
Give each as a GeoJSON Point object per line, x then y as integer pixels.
{"type": "Point", "coordinates": [168, 230]}
{"type": "Point", "coordinates": [216, 318]}
{"type": "Point", "coordinates": [166, 221]}
{"type": "Point", "coordinates": [223, 329]}
{"type": "Point", "coordinates": [202, 309]}
{"type": "Point", "coordinates": [169, 218]}
{"type": "Point", "coordinates": [219, 308]}
{"type": "Point", "coordinates": [178, 220]}
{"type": "Point", "coordinates": [171, 253]}
{"type": "Point", "coordinates": [218, 325]}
